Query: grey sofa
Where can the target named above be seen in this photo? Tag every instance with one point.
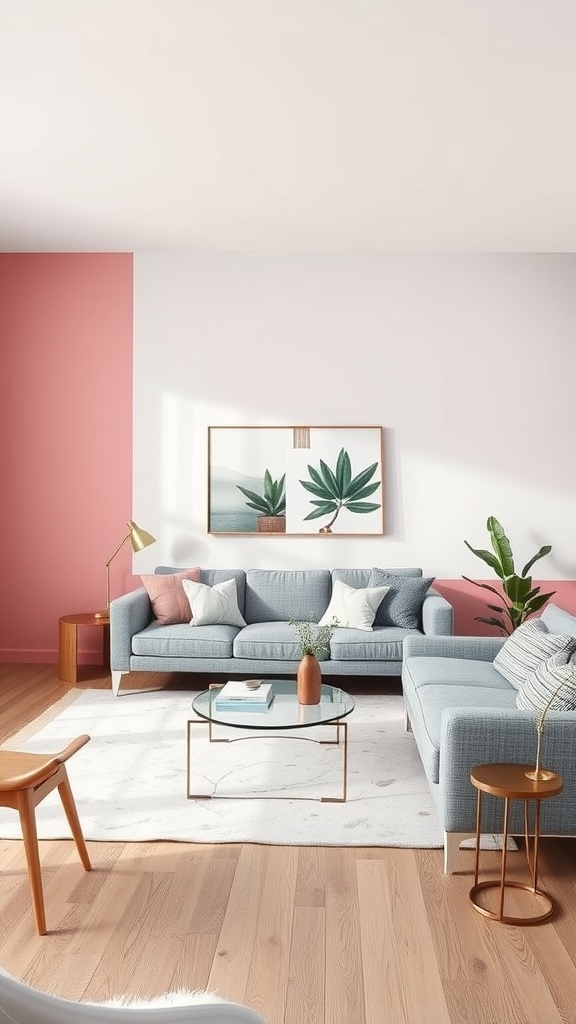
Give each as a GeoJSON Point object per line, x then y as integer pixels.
{"type": "Point", "coordinates": [463, 713]}
{"type": "Point", "coordinates": [266, 646]}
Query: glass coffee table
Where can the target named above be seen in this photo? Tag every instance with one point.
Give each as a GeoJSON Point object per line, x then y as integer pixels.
{"type": "Point", "coordinates": [285, 714]}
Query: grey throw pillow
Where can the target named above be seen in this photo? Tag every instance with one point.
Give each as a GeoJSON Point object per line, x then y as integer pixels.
{"type": "Point", "coordinates": [402, 605]}
{"type": "Point", "coordinates": [528, 646]}
{"type": "Point", "coordinates": [552, 681]}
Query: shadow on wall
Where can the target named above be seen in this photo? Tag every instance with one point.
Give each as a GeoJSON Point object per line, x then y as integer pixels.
{"type": "Point", "coordinates": [468, 601]}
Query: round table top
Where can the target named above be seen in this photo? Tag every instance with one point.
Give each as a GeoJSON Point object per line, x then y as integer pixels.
{"type": "Point", "coordinates": [86, 619]}
{"type": "Point", "coordinates": [509, 780]}
{"type": "Point", "coordinates": [284, 712]}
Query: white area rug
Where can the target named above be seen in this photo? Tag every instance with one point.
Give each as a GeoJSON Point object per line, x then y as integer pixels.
{"type": "Point", "coordinates": [129, 782]}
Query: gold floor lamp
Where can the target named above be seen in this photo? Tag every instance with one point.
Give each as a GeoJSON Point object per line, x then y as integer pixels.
{"type": "Point", "coordinates": [139, 540]}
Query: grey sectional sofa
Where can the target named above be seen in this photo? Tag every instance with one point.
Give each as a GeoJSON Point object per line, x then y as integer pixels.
{"type": "Point", "coordinates": [266, 646]}
{"type": "Point", "coordinates": [463, 713]}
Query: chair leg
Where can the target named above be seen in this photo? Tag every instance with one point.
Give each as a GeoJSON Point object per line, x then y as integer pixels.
{"type": "Point", "coordinates": [73, 820]}
{"type": "Point", "coordinates": [30, 837]}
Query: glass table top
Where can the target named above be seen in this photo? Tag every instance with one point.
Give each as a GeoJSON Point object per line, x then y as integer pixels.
{"type": "Point", "coordinates": [284, 712]}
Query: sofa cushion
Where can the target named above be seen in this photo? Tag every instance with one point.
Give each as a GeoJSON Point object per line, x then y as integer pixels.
{"type": "Point", "coordinates": [213, 606]}
{"type": "Point", "coordinates": [402, 605]}
{"type": "Point", "coordinates": [168, 597]}
{"type": "Point", "coordinates": [383, 643]}
{"type": "Point", "coordinates": [428, 703]}
{"type": "Point", "coordinates": [557, 620]}
{"type": "Point", "coordinates": [276, 595]}
{"type": "Point", "coordinates": [269, 641]}
{"type": "Point", "coordinates": [427, 671]}
{"type": "Point", "coordinates": [526, 647]}
{"type": "Point", "coordinates": [354, 607]}
{"type": "Point", "coordinates": [184, 641]}
{"type": "Point", "coordinates": [551, 686]}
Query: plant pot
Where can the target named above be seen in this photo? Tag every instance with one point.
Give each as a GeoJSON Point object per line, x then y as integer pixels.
{"type": "Point", "coordinates": [309, 680]}
{"type": "Point", "coordinates": [271, 524]}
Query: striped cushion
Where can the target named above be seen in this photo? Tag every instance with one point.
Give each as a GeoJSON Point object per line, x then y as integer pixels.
{"type": "Point", "coordinates": [528, 645]}
{"type": "Point", "coordinates": [554, 674]}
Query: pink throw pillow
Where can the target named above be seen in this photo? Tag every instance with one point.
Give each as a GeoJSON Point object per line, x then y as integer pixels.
{"type": "Point", "coordinates": [167, 597]}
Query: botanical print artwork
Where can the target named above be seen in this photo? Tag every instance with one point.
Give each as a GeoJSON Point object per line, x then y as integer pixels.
{"type": "Point", "coordinates": [295, 480]}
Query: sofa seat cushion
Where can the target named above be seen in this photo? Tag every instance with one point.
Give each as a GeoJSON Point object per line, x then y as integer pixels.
{"type": "Point", "coordinates": [383, 643]}
{"type": "Point", "coordinates": [428, 671]}
{"type": "Point", "coordinates": [269, 641]}
{"type": "Point", "coordinates": [429, 702]}
{"type": "Point", "coordinates": [184, 641]}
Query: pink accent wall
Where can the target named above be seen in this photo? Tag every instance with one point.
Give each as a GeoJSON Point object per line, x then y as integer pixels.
{"type": "Point", "coordinates": [66, 464]}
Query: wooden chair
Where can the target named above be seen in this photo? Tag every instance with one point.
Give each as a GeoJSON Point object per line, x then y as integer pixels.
{"type": "Point", "coordinates": [25, 779]}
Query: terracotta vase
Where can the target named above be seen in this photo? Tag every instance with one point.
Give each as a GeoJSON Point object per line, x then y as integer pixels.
{"type": "Point", "coordinates": [309, 680]}
{"type": "Point", "coordinates": [271, 524]}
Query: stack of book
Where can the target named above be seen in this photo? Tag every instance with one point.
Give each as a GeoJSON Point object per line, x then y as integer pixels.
{"type": "Point", "coordinates": [238, 695]}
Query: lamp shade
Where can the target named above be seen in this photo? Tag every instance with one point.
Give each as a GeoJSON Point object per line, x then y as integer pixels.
{"type": "Point", "coordinates": [139, 538]}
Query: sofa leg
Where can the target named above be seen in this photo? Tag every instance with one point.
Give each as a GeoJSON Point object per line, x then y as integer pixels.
{"type": "Point", "coordinates": [452, 842]}
{"type": "Point", "coordinates": [116, 678]}
{"type": "Point", "coordinates": [407, 722]}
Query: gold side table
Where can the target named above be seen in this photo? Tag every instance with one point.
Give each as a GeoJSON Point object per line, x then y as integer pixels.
{"type": "Point", "coordinates": [68, 642]}
{"type": "Point", "coordinates": [509, 782]}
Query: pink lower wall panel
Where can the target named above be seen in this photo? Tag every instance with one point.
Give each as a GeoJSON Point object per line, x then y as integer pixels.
{"type": "Point", "coordinates": [66, 463]}
{"type": "Point", "coordinates": [469, 601]}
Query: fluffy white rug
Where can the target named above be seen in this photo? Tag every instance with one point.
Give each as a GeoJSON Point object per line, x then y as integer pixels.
{"type": "Point", "coordinates": [130, 780]}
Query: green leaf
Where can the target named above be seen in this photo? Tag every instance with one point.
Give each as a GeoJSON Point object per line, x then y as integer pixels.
{"type": "Point", "coordinates": [493, 622]}
{"type": "Point", "coordinates": [315, 476]}
{"type": "Point", "coordinates": [331, 505]}
{"type": "Point", "coordinates": [487, 557]}
{"type": "Point", "coordinates": [483, 586]}
{"type": "Point", "coordinates": [320, 492]}
{"type": "Point", "coordinates": [250, 494]}
{"type": "Point", "coordinates": [364, 492]}
{"type": "Point", "coordinates": [268, 485]}
{"type": "Point", "coordinates": [343, 471]}
{"type": "Point", "coordinates": [501, 546]}
{"type": "Point", "coordinates": [496, 608]}
{"type": "Point", "coordinates": [362, 506]}
{"type": "Point", "coordinates": [329, 480]}
{"type": "Point", "coordinates": [517, 589]}
{"type": "Point", "coordinates": [541, 554]}
{"type": "Point", "coordinates": [318, 512]}
{"type": "Point", "coordinates": [538, 602]}
{"type": "Point", "coordinates": [360, 481]}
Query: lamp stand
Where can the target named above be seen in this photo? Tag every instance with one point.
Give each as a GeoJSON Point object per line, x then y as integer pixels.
{"type": "Point", "coordinates": [105, 614]}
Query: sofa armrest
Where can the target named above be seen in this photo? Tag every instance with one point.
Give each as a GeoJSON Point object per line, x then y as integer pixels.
{"type": "Point", "coordinates": [437, 615]}
{"type": "Point", "coordinates": [477, 648]}
{"type": "Point", "coordinates": [128, 615]}
{"type": "Point", "coordinates": [474, 736]}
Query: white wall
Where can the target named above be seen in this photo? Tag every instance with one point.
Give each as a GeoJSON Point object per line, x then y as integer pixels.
{"type": "Point", "coordinates": [467, 361]}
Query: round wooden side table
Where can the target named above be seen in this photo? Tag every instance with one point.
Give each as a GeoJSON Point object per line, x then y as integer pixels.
{"type": "Point", "coordinates": [68, 642]}
{"type": "Point", "coordinates": [509, 782]}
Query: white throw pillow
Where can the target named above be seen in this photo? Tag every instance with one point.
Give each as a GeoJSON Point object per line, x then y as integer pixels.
{"type": "Point", "coordinates": [213, 606]}
{"type": "Point", "coordinates": [553, 680]}
{"type": "Point", "coordinates": [528, 646]}
{"type": "Point", "coordinates": [352, 606]}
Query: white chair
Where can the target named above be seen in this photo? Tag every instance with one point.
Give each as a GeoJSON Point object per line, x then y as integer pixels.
{"type": "Point", "coordinates": [20, 1004]}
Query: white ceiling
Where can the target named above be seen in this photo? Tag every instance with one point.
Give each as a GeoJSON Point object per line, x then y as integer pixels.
{"type": "Point", "coordinates": [288, 125]}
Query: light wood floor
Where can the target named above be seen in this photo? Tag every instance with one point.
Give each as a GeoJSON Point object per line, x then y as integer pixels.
{"type": "Point", "coordinates": [305, 935]}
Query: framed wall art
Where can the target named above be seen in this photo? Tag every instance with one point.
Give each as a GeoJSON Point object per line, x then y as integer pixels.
{"type": "Point", "coordinates": [295, 481]}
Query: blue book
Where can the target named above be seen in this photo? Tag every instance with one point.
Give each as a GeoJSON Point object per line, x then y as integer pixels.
{"type": "Point", "coordinates": [242, 706]}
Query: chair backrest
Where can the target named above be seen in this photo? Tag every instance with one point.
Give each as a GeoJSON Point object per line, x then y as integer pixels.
{"type": "Point", "coordinates": [20, 1004]}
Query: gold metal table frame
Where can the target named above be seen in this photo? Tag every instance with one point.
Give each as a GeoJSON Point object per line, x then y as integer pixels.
{"type": "Point", "coordinates": [509, 782]}
{"type": "Point", "coordinates": [341, 730]}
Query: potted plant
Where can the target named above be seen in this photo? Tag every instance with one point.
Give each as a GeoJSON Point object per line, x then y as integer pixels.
{"type": "Point", "coordinates": [312, 640]}
{"type": "Point", "coordinates": [270, 506]}
{"type": "Point", "coordinates": [519, 598]}
{"type": "Point", "coordinates": [338, 489]}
